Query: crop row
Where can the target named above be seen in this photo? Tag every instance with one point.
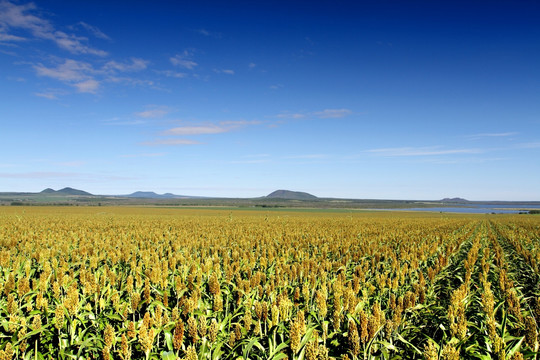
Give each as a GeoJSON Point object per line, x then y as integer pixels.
{"type": "Point", "coordinates": [167, 284]}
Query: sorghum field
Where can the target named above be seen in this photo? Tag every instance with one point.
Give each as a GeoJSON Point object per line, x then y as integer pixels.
{"type": "Point", "coordinates": [142, 283]}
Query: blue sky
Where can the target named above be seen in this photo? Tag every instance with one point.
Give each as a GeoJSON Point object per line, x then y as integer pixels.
{"type": "Point", "coordinates": [380, 99]}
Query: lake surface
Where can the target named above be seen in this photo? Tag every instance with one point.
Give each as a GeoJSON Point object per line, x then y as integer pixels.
{"type": "Point", "coordinates": [481, 209]}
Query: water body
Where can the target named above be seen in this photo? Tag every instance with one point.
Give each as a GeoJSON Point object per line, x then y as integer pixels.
{"type": "Point", "coordinates": [481, 209]}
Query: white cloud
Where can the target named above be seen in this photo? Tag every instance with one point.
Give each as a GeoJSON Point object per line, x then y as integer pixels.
{"type": "Point", "coordinates": [183, 60]}
{"type": "Point", "coordinates": [22, 17]}
{"type": "Point", "coordinates": [135, 65]}
{"type": "Point", "coordinates": [196, 130]}
{"type": "Point", "coordinates": [8, 37]}
{"type": "Point", "coordinates": [155, 112]}
{"type": "Point", "coordinates": [252, 65]}
{"type": "Point", "coordinates": [173, 74]}
{"type": "Point", "coordinates": [85, 78]}
{"type": "Point", "coordinates": [78, 74]}
{"type": "Point", "coordinates": [287, 115]}
{"type": "Point", "coordinates": [70, 70]}
{"type": "Point", "coordinates": [223, 127]}
{"type": "Point", "coordinates": [236, 123]}
{"type": "Point", "coordinates": [224, 71]}
{"type": "Point", "coordinates": [46, 95]}
{"type": "Point", "coordinates": [74, 44]}
{"type": "Point", "coordinates": [17, 16]}
{"type": "Point", "coordinates": [332, 113]}
{"type": "Point", "coordinates": [493, 135]}
{"type": "Point", "coordinates": [420, 151]}
{"type": "Point", "coordinates": [94, 31]}
{"type": "Point", "coordinates": [130, 81]}
{"type": "Point", "coordinates": [531, 145]}
{"type": "Point", "coordinates": [88, 86]}
{"type": "Point", "coordinates": [324, 114]}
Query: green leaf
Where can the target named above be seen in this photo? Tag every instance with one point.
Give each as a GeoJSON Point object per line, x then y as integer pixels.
{"type": "Point", "coordinates": [515, 348]}
{"type": "Point", "coordinates": [168, 340]}
{"type": "Point", "coordinates": [247, 349]}
{"type": "Point", "coordinates": [169, 355]}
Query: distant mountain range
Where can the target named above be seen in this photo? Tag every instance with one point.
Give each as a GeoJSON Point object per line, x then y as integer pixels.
{"type": "Point", "coordinates": [278, 194]}
{"type": "Point", "coordinates": [153, 195]}
{"type": "Point", "coordinates": [454, 200]}
{"type": "Point", "coordinates": [275, 195]}
{"type": "Point", "coordinates": [66, 191]}
{"type": "Point", "coordinates": [278, 198]}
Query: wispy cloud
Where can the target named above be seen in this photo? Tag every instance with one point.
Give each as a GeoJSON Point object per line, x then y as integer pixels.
{"type": "Point", "coordinates": [530, 145]}
{"type": "Point", "coordinates": [88, 86]}
{"type": "Point", "coordinates": [24, 17]}
{"type": "Point", "coordinates": [20, 22]}
{"type": "Point", "coordinates": [69, 71]}
{"type": "Point", "coordinates": [288, 115]}
{"type": "Point", "coordinates": [221, 127]}
{"type": "Point", "coordinates": [252, 65]}
{"type": "Point", "coordinates": [171, 142]}
{"type": "Point", "coordinates": [421, 151]}
{"type": "Point", "coordinates": [224, 71]}
{"type": "Point", "coordinates": [78, 74]}
{"type": "Point", "coordinates": [154, 112]}
{"type": "Point", "coordinates": [206, 32]}
{"type": "Point", "coordinates": [492, 135]}
{"type": "Point", "coordinates": [332, 113]}
{"type": "Point", "coordinates": [135, 64]}
{"type": "Point", "coordinates": [173, 74]}
{"type": "Point", "coordinates": [47, 95]}
{"type": "Point", "coordinates": [94, 31]}
{"type": "Point", "coordinates": [85, 78]}
{"type": "Point", "coordinates": [236, 123]}
{"type": "Point", "coordinates": [323, 114]}
{"type": "Point", "coordinates": [124, 122]}
{"type": "Point", "coordinates": [9, 38]}
{"type": "Point", "coordinates": [196, 130]}
{"type": "Point", "coordinates": [184, 60]}
{"type": "Point", "coordinates": [74, 44]}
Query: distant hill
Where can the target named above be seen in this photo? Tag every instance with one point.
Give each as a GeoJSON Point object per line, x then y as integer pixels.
{"type": "Point", "coordinates": [454, 200]}
{"type": "Point", "coordinates": [143, 194]}
{"type": "Point", "coordinates": [291, 195]}
{"type": "Point", "coordinates": [66, 191]}
{"type": "Point", "coordinates": [153, 195]}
